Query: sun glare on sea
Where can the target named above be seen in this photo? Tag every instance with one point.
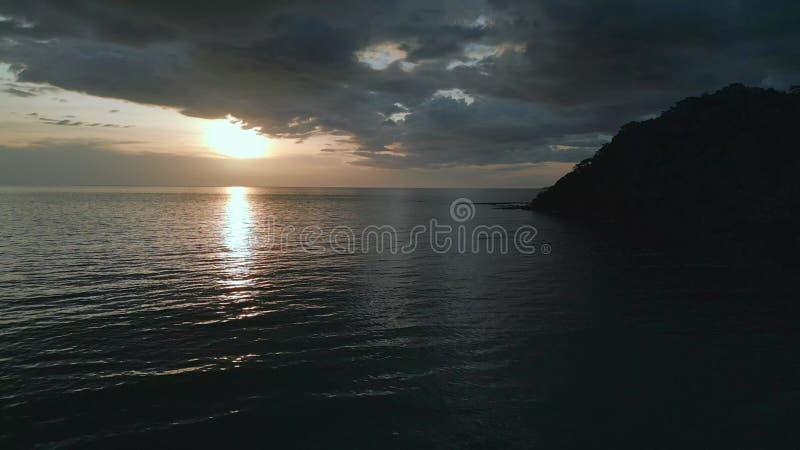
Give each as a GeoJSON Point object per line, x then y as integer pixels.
{"type": "Point", "coordinates": [238, 220]}
{"type": "Point", "coordinates": [230, 137]}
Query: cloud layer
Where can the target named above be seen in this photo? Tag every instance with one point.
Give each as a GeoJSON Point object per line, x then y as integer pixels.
{"type": "Point", "coordinates": [432, 83]}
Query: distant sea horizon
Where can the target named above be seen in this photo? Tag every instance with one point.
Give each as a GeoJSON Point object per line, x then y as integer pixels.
{"type": "Point", "coordinates": [156, 186]}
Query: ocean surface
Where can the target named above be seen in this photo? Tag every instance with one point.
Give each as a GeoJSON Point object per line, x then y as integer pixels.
{"type": "Point", "coordinates": [140, 317]}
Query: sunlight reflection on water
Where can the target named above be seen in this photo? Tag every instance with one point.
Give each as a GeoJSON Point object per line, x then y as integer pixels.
{"type": "Point", "coordinates": [238, 221]}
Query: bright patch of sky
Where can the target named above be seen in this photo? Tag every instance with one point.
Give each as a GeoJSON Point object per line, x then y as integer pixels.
{"type": "Point", "coordinates": [455, 94]}
{"type": "Point", "coordinates": [400, 116]}
{"type": "Point", "coordinates": [380, 56]}
{"type": "Point", "coordinates": [33, 113]}
{"type": "Point", "coordinates": [17, 22]}
{"type": "Point", "coordinates": [482, 22]}
{"type": "Point", "coordinates": [475, 53]}
{"type": "Point", "coordinates": [406, 66]}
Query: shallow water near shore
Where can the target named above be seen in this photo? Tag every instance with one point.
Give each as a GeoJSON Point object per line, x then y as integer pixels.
{"type": "Point", "coordinates": [138, 316]}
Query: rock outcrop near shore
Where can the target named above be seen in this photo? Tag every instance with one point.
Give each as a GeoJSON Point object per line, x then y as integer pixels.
{"type": "Point", "coordinates": [731, 157]}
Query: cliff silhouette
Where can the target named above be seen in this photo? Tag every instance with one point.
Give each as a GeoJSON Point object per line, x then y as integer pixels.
{"type": "Point", "coordinates": [730, 159]}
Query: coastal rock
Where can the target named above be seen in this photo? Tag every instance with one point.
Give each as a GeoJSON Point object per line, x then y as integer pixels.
{"type": "Point", "coordinates": [730, 159]}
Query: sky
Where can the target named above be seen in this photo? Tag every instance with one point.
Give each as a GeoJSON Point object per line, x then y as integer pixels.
{"type": "Point", "coordinates": [433, 93]}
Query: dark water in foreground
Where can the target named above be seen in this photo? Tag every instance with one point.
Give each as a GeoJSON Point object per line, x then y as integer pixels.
{"type": "Point", "coordinates": [135, 317]}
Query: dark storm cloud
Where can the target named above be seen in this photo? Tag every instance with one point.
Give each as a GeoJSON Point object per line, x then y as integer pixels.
{"type": "Point", "coordinates": [25, 91]}
{"type": "Point", "coordinates": [18, 92]}
{"type": "Point", "coordinates": [517, 81]}
{"type": "Point", "coordinates": [62, 122]}
{"type": "Point", "coordinates": [67, 122]}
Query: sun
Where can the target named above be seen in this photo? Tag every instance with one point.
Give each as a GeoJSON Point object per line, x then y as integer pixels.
{"type": "Point", "coordinates": [230, 137]}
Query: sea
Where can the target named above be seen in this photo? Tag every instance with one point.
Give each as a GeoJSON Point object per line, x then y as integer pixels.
{"type": "Point", "coordinates": [147, 317]}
